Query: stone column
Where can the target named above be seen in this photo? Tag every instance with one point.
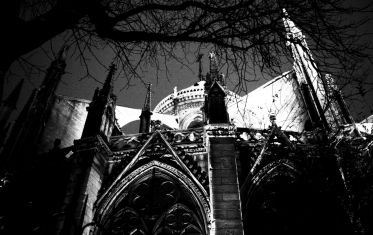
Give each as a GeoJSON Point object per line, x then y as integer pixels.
{"type": "Point", "coordinates": [223, 180]}
{"type": "Point", "coordinates": [85, 182]}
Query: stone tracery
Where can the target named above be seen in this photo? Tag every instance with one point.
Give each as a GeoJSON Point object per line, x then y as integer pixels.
{"type": "Point", "coordinates": [152, 201]}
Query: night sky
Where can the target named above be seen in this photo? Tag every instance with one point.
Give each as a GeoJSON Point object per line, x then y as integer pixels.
{"type": "Point", "coordinates": [75, 85]}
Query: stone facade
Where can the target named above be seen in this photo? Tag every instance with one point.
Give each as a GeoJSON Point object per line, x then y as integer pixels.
{"type": "Point", "coordinates": [286, 158]}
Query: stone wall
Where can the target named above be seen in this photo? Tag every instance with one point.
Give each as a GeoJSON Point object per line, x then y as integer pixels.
{"type": "Point", "coordinates": [66, 122]}
{"type": "Point", "coordinates": [224, 188]}
{"type": "Point", "coordinates": [280, 97]}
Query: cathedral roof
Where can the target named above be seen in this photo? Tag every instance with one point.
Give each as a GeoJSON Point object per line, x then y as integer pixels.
{"type": "Point", "coordinates": [278, 97]}
{"type": "Point", "coordinates": [127, 115]}
{"type": "Point", "coordinates": [190, 94]}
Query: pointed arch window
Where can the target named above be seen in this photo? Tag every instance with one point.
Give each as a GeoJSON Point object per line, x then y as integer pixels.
{"type": "Point", "coordinates": [155, 203]}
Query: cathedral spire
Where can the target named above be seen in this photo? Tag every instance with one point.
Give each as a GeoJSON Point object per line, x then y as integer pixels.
{"type": "Point", "coordinates": [148, 98]}
{"type": "Point", "coordinates": [306, 69]}
{"type": "Point", "coordinates": [199, 59]}
{"type": "Point", "coordinates": [101, 111]}
{"type": "Point", "coordinates": [107, 89]}
{"type": "Point", "coordinates": [292, 31]}
{"type": "Point", "coordinates": [213, 64]}
{"type": "Point", "coordinates": [28, 130]}
{"type": "Point", "coordinates": [53, 77]}
{"type": "Point", "coordinates": [213, 74]}
{"type": "Point", "coordinates": [146, 113]}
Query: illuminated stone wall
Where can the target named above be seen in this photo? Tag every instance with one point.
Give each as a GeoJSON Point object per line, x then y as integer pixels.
{"type": "Point", "coordinates": [66, 122]}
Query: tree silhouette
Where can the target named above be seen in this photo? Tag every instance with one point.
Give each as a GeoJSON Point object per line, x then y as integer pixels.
{"type": "Point", "coordinates": [246, 34]}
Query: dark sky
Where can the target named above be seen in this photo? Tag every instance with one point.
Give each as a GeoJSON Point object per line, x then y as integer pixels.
{"type": "Point", "coordinates": [74, 85]}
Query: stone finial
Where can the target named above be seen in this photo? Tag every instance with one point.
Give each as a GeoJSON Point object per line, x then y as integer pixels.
{"type": "Point", "coordinates": [175, 92]}
{"type": "Point", "coordinates": [148, 98]}
{"type": "Point", "coordinates": [213, 63]}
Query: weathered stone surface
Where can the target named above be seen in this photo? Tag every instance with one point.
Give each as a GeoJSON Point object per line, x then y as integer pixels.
{"type": "Point", "coordinates": [66, 122]}
{"type": "Point", "coordinates": [230, 196]}
{"type": "Point", "coordinates": [224, 187]}
{"type": "Point", "coordinates": [281, 95]}
{"type": "Point", "coordinates": [93, 186]}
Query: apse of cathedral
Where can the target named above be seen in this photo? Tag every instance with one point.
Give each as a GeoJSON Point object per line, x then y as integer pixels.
{"type": "Point", "coordinates": [286, 158]}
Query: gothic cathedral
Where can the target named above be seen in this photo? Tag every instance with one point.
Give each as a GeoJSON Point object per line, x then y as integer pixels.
{"type": "Point", "coordinates": [278, 160]}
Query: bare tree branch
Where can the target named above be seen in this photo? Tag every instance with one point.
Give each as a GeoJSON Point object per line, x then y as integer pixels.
{"type": "Point", "coordinates": [248, 34]}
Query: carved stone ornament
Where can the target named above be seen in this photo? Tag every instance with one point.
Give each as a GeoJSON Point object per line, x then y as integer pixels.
{"type": "Point", "coordinates": [220, 130]}
{"type": "Point", "coordinates": [149, 198]}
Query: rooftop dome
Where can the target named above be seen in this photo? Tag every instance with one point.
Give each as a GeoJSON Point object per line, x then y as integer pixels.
{"type": "Point", "coordinates": [187, 105]}
{"type": "Point", "coordinates": [190, 94]}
